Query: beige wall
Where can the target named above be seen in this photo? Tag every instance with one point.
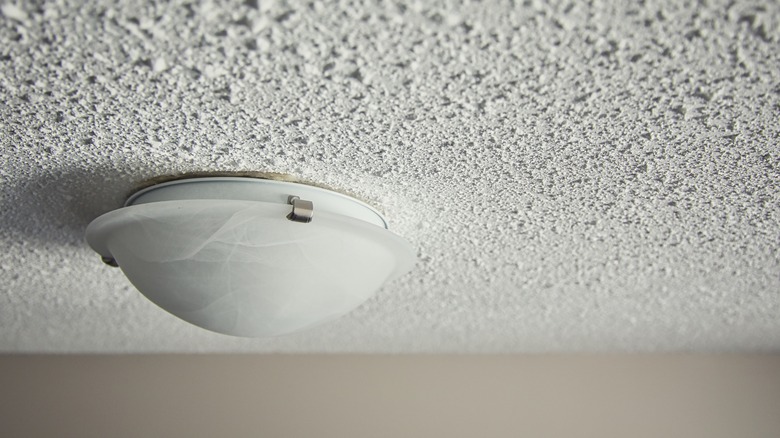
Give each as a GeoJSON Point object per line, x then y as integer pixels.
{"type": "Point", "coordinates": [390, 396]}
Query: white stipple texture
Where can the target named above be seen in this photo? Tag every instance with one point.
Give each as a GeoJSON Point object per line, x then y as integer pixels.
{"type": "Point", "coordinates": [575, 177]}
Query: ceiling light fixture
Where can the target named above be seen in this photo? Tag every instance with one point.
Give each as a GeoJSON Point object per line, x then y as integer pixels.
{"type": "Point", "coordinates": [250, 257]}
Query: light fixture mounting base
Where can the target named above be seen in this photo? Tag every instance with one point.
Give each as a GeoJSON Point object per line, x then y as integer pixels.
{"type": "Point", "coordinates": [262, 190]}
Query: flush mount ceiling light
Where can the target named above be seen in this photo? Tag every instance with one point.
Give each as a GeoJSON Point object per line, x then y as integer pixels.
{"type": "Point", "coordinates": [250, 257]}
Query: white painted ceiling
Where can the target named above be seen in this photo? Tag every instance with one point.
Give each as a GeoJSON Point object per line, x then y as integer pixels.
{"type": "Point", "coordinates": [576, 176]}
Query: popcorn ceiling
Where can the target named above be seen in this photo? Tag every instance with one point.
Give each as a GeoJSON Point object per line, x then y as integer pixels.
{"type": "Point", "coordinates": [575, 177]}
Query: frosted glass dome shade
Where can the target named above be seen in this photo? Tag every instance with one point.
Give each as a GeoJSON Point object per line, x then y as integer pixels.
{"type": "Point", "coordinates": [243, 267]}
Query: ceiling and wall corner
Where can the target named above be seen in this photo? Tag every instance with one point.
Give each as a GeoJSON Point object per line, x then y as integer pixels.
{"type": "Point", "coordinates": [575, 177]}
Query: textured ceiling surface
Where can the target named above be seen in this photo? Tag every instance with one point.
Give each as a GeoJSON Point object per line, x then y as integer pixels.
{"type": "Point", "coordinates": [575, 176]}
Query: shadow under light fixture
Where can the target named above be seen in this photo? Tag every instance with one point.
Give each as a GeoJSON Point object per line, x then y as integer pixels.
{"type": "Point", "coordinates": [250, 257]}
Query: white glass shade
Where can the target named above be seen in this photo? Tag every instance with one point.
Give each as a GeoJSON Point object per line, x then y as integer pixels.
{"type": "Point", "coordinates": [241, 267]}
